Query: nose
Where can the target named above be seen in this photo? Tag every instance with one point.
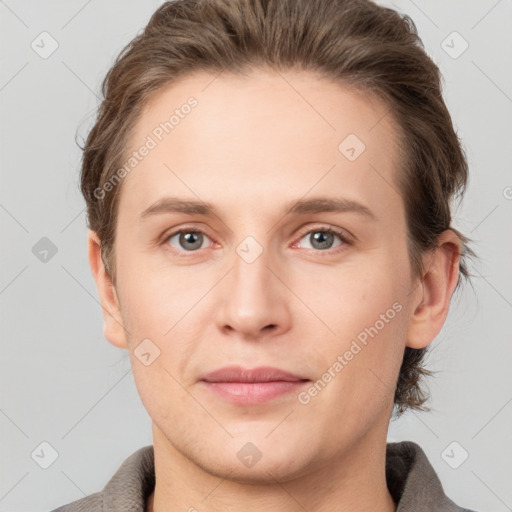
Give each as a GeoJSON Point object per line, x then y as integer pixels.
{"type": "Point", "coordinates": [254, 300]}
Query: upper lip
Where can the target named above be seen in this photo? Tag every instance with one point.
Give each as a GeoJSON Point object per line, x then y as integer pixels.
{"type": "Point", "coordinates": [260, 374]}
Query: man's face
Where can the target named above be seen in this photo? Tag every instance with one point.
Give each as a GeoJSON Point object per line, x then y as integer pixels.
{"type": "Point", "coordinates": [259, 286]}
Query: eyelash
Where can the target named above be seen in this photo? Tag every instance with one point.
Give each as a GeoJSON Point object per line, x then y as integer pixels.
{"type": "Point", "coordinates": [343, 236]}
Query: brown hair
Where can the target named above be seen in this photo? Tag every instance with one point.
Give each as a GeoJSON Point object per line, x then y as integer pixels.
{"type": "Point", "coordinates": [356, 43]}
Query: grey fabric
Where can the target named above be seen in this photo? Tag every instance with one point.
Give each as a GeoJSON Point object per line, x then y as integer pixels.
{"type": "Point", "coordinates": [127, 491]}
{"type": "Point", "coordinates": [412, 482]}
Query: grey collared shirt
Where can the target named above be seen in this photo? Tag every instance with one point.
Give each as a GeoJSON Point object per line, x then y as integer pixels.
{"type": "Point", "coordinates": [412, 482]}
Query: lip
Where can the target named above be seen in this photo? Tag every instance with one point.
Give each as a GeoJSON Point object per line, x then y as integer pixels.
{"type": "Point", "coordinates": [261, 374]}
{"type": "Point", "coordinates": [246, 386]}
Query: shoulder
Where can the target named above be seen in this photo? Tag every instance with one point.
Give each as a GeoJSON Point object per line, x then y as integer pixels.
{"type": "Point", "coordinates": [413, 482]}
{"type": "Point", "coordinates": [92, 503]}
{"type": "Point", "coordinates": [128, 489]}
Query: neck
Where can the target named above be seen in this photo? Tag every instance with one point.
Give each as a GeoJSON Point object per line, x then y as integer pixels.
{"type": "Point", "coordinates": [355, 482]}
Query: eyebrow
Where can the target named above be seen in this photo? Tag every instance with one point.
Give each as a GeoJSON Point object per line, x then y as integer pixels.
{"type": "Point", "coordinates": [298, 207]}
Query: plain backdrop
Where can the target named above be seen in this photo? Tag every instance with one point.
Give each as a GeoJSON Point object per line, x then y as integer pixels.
{"type": "Point", "coordinates": [62, 384]}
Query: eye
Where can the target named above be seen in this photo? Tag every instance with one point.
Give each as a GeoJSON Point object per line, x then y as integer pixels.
{"type": "Point", "coordinates": [320, 239]}
{"type": "Point", "coordinates": [186, 239]}
{"type": "Point", "coordinates": [323, 237]}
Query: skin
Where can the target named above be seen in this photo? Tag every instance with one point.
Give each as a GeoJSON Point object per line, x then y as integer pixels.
{"type": "Point", "coordinates": [252, 145]}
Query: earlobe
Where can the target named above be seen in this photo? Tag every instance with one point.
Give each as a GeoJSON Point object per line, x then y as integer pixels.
{"type": "Point", "coordinates": [113, 328]}
{"type": "Point", "coordinates": [437, 285]}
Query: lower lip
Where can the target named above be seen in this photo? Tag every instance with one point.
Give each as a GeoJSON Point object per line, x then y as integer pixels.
{"type": "Point", "coordinates": [254, 392]}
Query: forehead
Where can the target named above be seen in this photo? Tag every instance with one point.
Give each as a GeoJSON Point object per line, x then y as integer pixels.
{"type": "Point", "coordinates": [252, 136]}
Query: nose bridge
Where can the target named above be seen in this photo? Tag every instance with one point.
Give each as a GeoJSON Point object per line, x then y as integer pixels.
{"type": "Point", "coordinates": [251, 275]}
{"type": "Point", "coordinates": [252, 298]}
{"type": "Point", "coordinates": [251, 259]}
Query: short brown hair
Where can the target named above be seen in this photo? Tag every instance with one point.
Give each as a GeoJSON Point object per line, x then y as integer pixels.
{"type": "Point", "coordinates": [356, 43]}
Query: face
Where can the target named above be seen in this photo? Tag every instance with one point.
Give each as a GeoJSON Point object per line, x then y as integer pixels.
{"type": "Point", "coordinates": [270, 276]}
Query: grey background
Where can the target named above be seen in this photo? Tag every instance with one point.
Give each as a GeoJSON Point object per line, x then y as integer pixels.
{"type": "Point", "coordinates": [62, 383]}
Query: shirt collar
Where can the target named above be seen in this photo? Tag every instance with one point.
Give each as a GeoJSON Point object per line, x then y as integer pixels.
{"type": "Point", "coordinates": [411, 479]}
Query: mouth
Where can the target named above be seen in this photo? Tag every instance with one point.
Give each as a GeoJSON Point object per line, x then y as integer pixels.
{"type": "Point", "coordinates": [252, 386]}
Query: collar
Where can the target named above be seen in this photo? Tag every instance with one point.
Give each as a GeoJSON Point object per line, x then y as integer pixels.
{"type": "Point", "coordinates": [412, 482]}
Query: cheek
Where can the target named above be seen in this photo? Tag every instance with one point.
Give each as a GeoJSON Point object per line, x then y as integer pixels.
{"type": "Point", "coordinates": [163, 309]}
{"type": "Point", "coordinates": [358, 368]}
{"type": "Point", "coordinates": [159, 312]}
{"type": "Point", "coordinates": [365, 310]}
{"type": "Point", "coordinates": [353, 296]}
{"type": "Point", "coordinates": [154, 299]}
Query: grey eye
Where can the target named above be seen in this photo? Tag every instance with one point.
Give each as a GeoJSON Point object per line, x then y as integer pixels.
{"type": "Point", "coordinates": [188, 240]}
{"type": "Point", "coordinates": [320, 239]}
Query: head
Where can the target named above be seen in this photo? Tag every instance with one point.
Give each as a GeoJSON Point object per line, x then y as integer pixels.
{"type": "Point", "coordinates": [257, 107]}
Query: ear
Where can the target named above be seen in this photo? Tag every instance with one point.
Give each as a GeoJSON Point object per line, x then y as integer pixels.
{"type": "Point", "coordinates": [113, 328]}
{"type": "Point", "coordinates": [435, 289]}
